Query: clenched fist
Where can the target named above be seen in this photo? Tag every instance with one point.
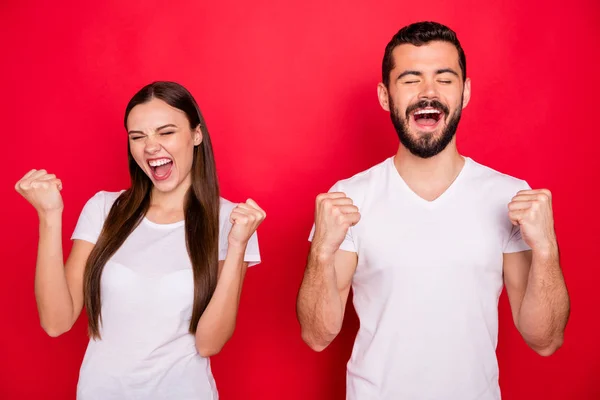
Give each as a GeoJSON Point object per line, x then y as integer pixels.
{"type": "Point", "coordinates": [532, 211]}
{"type": "Point", "coordinates": [245, 217]}
{"type": "Point", "coordinates": [334, 215]}
{"type": "Point", "coordinates": [42, 190]}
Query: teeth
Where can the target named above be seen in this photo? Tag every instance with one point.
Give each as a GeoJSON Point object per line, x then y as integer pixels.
{"type": "Point", "coordinates": [156, 163]}
{"type": "Point", "coordinates": [427, 112]}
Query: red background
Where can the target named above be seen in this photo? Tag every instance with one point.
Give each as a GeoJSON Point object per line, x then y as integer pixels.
{"type": "Point", "coordinates": [288, 91]}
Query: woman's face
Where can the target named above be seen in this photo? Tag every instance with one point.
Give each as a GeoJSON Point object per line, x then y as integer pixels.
{"type": "Point", "coordinates": [162, 143]}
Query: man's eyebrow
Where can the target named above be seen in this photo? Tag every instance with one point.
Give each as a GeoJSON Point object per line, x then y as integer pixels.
{"type": "Point", "coordinates": [446, 70]}
{"type": "Point", "coordinates": [410, 72]}
{"type": "Point", "coordinates": [438, 72]}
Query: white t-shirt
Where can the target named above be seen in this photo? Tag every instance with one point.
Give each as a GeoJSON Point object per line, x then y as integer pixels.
{"type": "Point", "coordinates": [146, 351]}
{"type": "Point", "coordinates": [427, 284]}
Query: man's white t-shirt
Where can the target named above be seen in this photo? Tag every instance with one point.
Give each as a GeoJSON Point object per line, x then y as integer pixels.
{"type": "Point", "coordinates": [147, 291]}
{"type": "Point", "coordinates": [427, 284]}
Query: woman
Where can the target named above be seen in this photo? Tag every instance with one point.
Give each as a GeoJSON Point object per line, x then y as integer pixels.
{"type": "Point", "coordinates": [159, 266]}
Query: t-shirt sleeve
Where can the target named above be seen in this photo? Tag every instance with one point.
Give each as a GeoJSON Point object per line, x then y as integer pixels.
{"type": "Point", "coordinates": [252, 255]}
{"type": "Point", "coordinates": [90, 222]}
{"type": "Point", "coordinates": [515, 242]}
{"type": "Point", "coordinates": [348, 244]}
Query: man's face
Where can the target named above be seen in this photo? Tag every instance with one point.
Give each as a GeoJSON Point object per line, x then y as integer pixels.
{"type": "Point", "coordinates": [425, 97]}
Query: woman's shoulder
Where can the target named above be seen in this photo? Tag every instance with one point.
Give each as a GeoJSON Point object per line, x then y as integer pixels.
{"type": "Point", "coordinates": [104, 196]}
{"type": "Point", "coordinates": [226, 206]}
{"type": "Point", "coordinates": [103, 200]}
{"type": "Point", "coordinates": [94, 214]}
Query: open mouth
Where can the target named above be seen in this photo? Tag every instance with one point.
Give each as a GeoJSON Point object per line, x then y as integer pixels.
{"type": "Point", "coordinates": [161, 168]}
{"type": "Point", "coordinates": [428, 117]}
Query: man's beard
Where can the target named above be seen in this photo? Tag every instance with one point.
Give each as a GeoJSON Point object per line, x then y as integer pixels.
{"type": "Point", "coordinates": [426, 145]}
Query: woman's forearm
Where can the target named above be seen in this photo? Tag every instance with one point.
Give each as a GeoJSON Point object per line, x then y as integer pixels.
{"type": "Point", "coordinates": [217, 324]}
{"type": "Point", "coordinates": [54, 302]}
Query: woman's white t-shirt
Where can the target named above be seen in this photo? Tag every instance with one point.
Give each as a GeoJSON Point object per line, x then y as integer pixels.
{"type": "Point", "coordinates": [147, 290]}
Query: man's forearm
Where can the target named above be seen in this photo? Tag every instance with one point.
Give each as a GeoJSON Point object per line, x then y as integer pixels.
{"type": "Point", "coordinates": [545, 308]}
{"type": "Point", "coordinates": [319, 306]}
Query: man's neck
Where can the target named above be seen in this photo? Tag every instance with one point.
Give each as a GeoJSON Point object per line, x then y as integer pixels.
{"type": "Point", "coordinates": [429, 177]}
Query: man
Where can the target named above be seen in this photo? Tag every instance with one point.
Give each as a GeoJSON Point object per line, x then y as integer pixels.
{"type": "Point", "coordinates": [426, 239]}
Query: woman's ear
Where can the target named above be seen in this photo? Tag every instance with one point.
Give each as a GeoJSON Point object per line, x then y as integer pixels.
{"type": "Point", "coordinates": [197, 135]}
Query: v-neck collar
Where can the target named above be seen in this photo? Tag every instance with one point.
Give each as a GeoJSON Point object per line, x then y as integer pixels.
{"type": "Point", "coordinates": [395, 175]}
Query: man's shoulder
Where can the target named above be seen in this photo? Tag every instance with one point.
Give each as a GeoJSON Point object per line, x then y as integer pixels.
{"type": "Point", "coordinates": [360, 182]}
{"type": "Point", "coordinates": [486, 176]}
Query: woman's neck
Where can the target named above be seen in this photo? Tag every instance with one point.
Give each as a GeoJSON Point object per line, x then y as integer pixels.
{"type": "Point", "coordinates": [166, 207]}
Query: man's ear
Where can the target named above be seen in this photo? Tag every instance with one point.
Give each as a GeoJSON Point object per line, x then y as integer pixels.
{"type": "Point", "coordinates": [383, 96]}
{"type": "Point", "coordinates": [466, 92]}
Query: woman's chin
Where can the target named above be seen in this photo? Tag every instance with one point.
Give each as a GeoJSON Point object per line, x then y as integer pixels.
{"type": "Point", "coordinates": [165, 185]}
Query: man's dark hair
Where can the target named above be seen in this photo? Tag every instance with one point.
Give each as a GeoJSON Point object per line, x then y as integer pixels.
{"type": "Point", "coordinates": [419, 34]}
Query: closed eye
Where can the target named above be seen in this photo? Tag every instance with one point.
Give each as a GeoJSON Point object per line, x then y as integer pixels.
{"type": "Point", "coordinates": [135, 137]}
{"type": "Point", "coordinates": [166, 133]}
{"type": "Point", "coordinates": [411, 81]}
{"type": "Point", "coordinates": [444, 81]}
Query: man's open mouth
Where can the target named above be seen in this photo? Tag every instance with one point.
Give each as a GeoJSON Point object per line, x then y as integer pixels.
{"type": "Point", "coordinates": [427, 116]}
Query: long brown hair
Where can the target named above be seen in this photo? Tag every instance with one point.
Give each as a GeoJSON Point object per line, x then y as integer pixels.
{"type": "Point", "coordinates": [201, 211]}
